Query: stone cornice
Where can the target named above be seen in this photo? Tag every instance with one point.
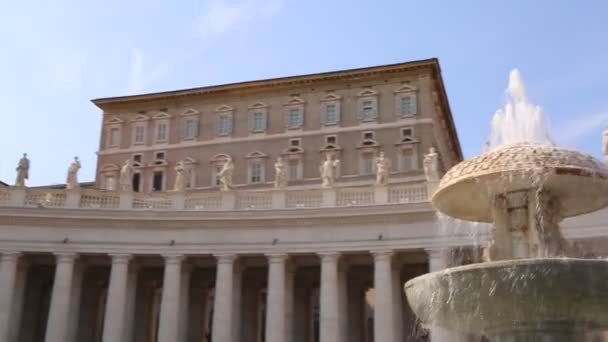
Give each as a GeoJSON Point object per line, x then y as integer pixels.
{"type": "Point", "coordinates": [351, 74]}
{"type": "Point", "coordinates": [80, 218]}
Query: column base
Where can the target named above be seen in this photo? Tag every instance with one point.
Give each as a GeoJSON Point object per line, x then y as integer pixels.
{"type": "Point", "coordinates": [540, 336]}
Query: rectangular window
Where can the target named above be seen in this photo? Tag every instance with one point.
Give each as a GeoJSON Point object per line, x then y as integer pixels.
{"type": "Point", "coordinates": [368, 135]}
{"type": "Point", "coordinates": [367, 165]}
{"type": "Point", "coordinates": [159, 156]}
{"type": "Point", "coordinates": [190, 128]}
{"type": "Point", "coordinates": [408, 106]}
{"type": "Point", "coordinates": [224, 125]}
{"type": "Point", "coordinates": [255, 172]}
{"type": "Point", "coordinates": [294, 166]}
{"type": "Point", "coordinates": [161, 132]}
{"type": "Point", "coordinates": [259, 122]}
{"type": "Point", "coordinates": [137, 158]}
{"type": "Point", "coordinates": [331, 114]}
{"type": "Point", "coordinates": [114, 138]}
{"type": "Point", "coordinates": [294, 142]}
{"type": "Point", "coordinates": [216, 178]}
{"type": "Point", "coordinates": [331, 140]}
{"type": "Point", "coordinates": [368, 110]}
{"type": "Point", "coordinates": [136, 181]}
{"type": "Point", "coordinates": [407, 159]}
{"type": "Point", "coordinates": [157, 181]}
{"type": "Point", "coordinates": [295, 118]}
{"type": "Point", "coordinates": [139, 134]}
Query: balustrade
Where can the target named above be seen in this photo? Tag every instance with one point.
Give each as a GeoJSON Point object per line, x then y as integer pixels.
{"type": "Point", "coordinates": [196, 200]}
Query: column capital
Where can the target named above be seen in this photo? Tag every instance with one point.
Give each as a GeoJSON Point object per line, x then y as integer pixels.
{"type": "Point", "coordinates": [173, 258]}
{"type": "Point", "coordinates": [121, 258]}
{"type": "Point", "coordinates": [10, 256]}
{"type": "Point", "coordinates": [225, 258]}
{"type": "Point", "coordinates": [331, 256]}
{"type": "Point", "coordinates": [382, 254]}
{"type": "Point", "coordinates": [66, 257]}
{"type": "Point", "coordinates": [277, 258]}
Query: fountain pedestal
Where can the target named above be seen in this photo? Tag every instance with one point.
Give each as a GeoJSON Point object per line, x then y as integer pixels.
{"type": "Point", "coordinates": [528, 290]}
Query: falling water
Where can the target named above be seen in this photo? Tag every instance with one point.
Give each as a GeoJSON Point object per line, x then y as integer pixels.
{"type": "Point", "coordinates": [519, 120]}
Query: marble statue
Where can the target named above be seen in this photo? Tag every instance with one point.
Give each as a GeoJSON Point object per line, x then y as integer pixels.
{"type": "Point", "coordinates": [181, 179]}
{"type": "Point", "coordinates": [328, 171]}
{"type": "Point", "coordinates": [225, 175]}
{"type": "Point", "coordinates": [431, 165]}
{"type": "Point", "coordinates": [23, 170]}
{"type": "Point", "coordinates": [72, 181]}
{"type": "Point", "coordinates": [280, 171]}
{"type": "Point", "coordinates": [126, 176]}
{"type": "Point", "coordinates": [383, 166]}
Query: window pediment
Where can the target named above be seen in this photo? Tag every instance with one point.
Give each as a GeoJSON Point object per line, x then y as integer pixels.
{"type": "Point", "coordinates": [140, 117]}
{"type": "Point", "coordinates": [367, 92]}
{"type": "Point", "coordinates": [406, 88]}
{"type": "Point", "coordinates": [220, 158]}
{"type": "Point", "coordinates": [295, 101]}
{"type": "Point", "coordinates": [331, 97]}
{"type": "Point", "coordinates": [224, 108]}
{"type": "Point", "coordinates": [161, 116]}
{"type": "Point", "coordinates": [258, 105]}
{"type": "Point", "coordinates": [293, 150]}
{"type": "Point", "coordinates": [189, 161]}
{"type": "Point", "coordinates": [368, 143]}
{"type": "Point", "coordinates": [190, 112]}
{"type": "Point", "coordinates": [114, 120]}
{"type": "Point", "coordinates": [256, 154]}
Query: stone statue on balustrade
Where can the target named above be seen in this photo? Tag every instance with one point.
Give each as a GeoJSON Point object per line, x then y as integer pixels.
{"type": "Point", "coordinates": [23, 171]}
{"type": "Point", "coordinates": [72, 180]}
{"type": "Point", "coordinates": [126, 177]}
{"type": "Point", "coordinates": [383, 166]}
{"type": "Point", "coordinates": [181, 178]}
{"type": "Point", "coordinates": [280, 171]}
{"type": "Point", "coordinates": [329, 171]}
{"type": "Point", "coordinates": [225, 175]}
{"type": "Point", "coordinates": [431, 165]}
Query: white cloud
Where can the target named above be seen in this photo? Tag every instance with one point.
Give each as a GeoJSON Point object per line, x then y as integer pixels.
{"type": "Point", "coordinates": [220, 16]}
{"type": "Point", "coordinates": [141, 73]}
{"type": "Point", "coordinates": [569, 132]}
{"type": "Point", "coordinates": [136, 82]}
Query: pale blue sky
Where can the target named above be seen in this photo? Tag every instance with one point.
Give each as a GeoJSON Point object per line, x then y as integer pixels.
{"type": "Point", "coordinates": [57, 55]}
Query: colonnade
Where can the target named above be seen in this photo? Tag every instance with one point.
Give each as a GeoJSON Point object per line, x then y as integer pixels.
{"type": "Point", "coordinates": [279, 322]}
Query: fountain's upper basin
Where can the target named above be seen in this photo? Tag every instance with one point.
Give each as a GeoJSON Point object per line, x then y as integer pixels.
{"type": "Point", "coordinates": [514, 295]}
{"type": "Point", "coordinates": [468, 189]}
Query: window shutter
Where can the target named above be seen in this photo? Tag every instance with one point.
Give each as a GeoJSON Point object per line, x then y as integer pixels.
{"type": "Point", "coordinates": [184, 128]}
{"type": "Point", "coordinates": [217, 125]}
{"type": "Point", "coordinates": [414, 105]}
{"type": "Point", "coordinates": [360, 110]}
{"type": "Point", "coordinates": [375, 108]}
{"type": "Point", "coordinates": [337, 113]}
{"type": "Point", "coordinates": [230, 124]}
{"type": "Point", "coordinates": [265, 120]}
{"type": "Point", "coordinates": [301, 118]}
{"type": "Point", "coordinates": [323, 114]}
{"type": "Point", "coordinates": [286, 117]}
{"type": "Point", "coordinates": [196, 123]}
{"type": "Point", "coordinates": [252, 122]}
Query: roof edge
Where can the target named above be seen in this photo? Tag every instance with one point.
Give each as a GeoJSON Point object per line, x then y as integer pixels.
{"type": "Point", "coordinates": [306, 78]}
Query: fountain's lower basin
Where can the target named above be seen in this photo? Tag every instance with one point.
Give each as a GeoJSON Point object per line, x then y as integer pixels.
{"type": "Point", "coordinates": [558, 295]}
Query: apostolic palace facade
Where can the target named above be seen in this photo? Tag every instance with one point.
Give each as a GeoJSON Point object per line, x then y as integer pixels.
{"type": "Point", "coordinates": [282, 210]}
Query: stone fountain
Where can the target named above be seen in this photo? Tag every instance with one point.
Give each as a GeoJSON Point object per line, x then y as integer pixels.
{"type": "Point", "coordinates": [532, 285]}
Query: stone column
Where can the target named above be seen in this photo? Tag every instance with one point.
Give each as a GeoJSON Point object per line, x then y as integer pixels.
{"type": "Point", "coordinates": [184, 303]}
{"type": "Point", "coordinates": [8, 280]}
{"type": "Point", "coordinates": [384, 329]}
{"type": "Point", "coordinates": [289, 303]}
{"type": "Point", "coordinates": [58, 321]}
{"type": "Point", "coordinates": [237, 282]}
{"type": "Point", "coordinates": [224, 290]}
{"type": "Point", "coordinates": [18, 300]}
{"type": "Point", "coordinates": [130, 309]}
{"type": "Point", "coordinates": [275, 308]}
{"type": "Point", "coordinates": [343, 301]}
{"type": "Point", "coordinates": [329, 317]}
{"type": "Point", "coordinates": [168, 327]}
{"type": "Point", "coordinates": [116, 303]}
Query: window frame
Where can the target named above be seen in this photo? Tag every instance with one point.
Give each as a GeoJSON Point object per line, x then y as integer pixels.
{"type": "Point", "coordinates": [406, 90]}
{"type": "Point", "coordinates": [296, 104]}
{"type": "Point", "coordinates": [137, 127]}
{"type": "Point", "coordinates": [330, 100]}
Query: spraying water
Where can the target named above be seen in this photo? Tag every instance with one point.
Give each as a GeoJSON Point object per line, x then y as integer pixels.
{"type": "Point", "coordinates": [519, 120]}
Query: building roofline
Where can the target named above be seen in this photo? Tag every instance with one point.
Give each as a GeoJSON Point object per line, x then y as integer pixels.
{"type": "Point", "coordinates": [271, 82]}
{"type": "Point", "coordinates": [432, 63]}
